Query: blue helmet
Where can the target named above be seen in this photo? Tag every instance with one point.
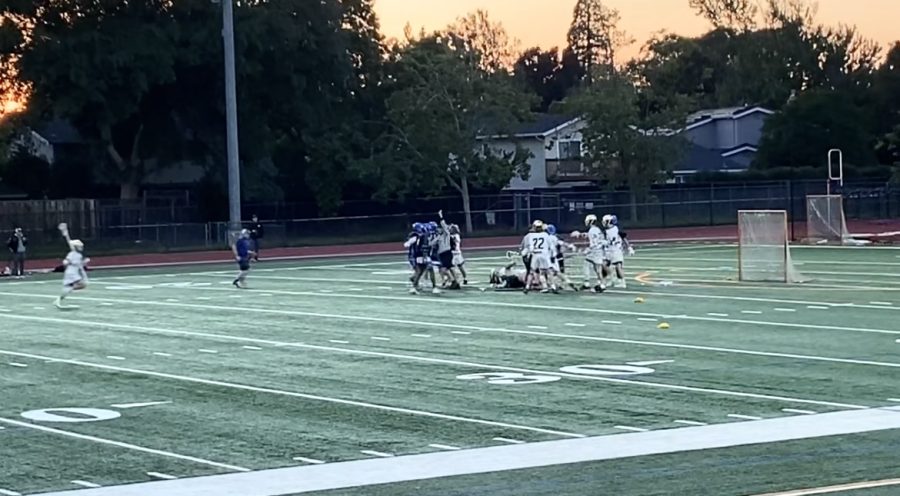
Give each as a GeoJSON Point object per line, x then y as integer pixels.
{"type": "Point", "coordinates": [551, 229]}
{"type": "Point", "coordinates": [418, 228]}
{"type": "Point", "coordinates": [432, 226]}
{"type": "Point", "coordinates": [614, 221]}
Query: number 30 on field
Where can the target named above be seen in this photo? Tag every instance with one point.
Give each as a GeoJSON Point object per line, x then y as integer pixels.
{"type": "Point", "coordinates": [517, 378]}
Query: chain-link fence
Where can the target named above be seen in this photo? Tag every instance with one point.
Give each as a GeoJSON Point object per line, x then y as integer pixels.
{"type": "Point", "coordinates": [102, 226]}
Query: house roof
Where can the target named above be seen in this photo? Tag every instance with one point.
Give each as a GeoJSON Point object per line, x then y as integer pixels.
{"type": "Point", "coordinates": [60, 132]}
{"type": "Point", "coordinates": [542, 125]}
{"type": "Point", "coordinates": [700, 159]}
{"type": "Point", "coordinates": [704, 117]}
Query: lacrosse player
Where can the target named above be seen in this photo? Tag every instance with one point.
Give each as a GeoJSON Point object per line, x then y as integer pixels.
{"type": "Point", "coordinates": [75, 273]}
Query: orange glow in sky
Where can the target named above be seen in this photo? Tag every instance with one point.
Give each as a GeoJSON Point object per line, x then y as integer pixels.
{"type": "Point", "coordinates": [544, 22]}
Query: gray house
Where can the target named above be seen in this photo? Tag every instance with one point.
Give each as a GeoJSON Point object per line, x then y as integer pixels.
{"type": "Point", "coordinates": [722, 140]}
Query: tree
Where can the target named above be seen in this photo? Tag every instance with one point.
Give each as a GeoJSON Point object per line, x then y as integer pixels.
{"type": "Point", "coordinates": [816, 121]}
{"type": "Point", "coordinates": [478, 35]}
{"type": "Point", "coordinates": [143, 82]}
{"type": "Point", "coordinates": [440, 105]}
{"type": "Point", "coordinates": [628, 143]}
{"type": "Point", "coordinates": [783, 51]}
{"type": "Point", "coordinates": [739, 15]}
{"type": "Point", "coordinates": [547, 75]}
{"type": "Point", "coordinates": [594, 36]}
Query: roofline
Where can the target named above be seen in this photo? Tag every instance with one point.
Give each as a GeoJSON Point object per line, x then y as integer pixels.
{"type": "Point", "coordinates": [734, 117]}
{"type": "Point", "coordinates": [532, 135]}
{"type": "Point", "coordinates": [740, 149]}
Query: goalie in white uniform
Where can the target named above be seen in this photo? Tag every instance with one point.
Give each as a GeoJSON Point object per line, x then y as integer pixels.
{"type": "Point", "coordinates": [616, 245]}
{"type": "Point", "coordinates": [75, 275]}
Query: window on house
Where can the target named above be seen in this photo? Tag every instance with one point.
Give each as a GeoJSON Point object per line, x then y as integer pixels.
{"type": "Point", "coordinates": [569, 150]}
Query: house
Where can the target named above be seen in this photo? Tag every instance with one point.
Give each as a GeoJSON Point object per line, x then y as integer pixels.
{"type": "Point", "coordinates": [554, 141]}
{"type": "Point", "coordinates": [721, 140]}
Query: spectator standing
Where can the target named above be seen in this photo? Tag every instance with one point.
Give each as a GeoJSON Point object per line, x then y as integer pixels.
{"type": "Point", "coordinates": [256, 234]}
{"type": "Point", "coordinates": [17, 245]}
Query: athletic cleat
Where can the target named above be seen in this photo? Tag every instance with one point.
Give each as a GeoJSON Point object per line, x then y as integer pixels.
{"type": "Point", "coordinates": [58, 303]}
{"type": "Point", "coordinates": [436, 291]}
{"type": "Point", "coordinates": [413, 291]}
{"type": "Point", "coordinates": [455, 286]}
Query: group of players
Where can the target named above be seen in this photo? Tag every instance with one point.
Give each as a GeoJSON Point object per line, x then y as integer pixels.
{"type": "Point", "coordinates": [438, 246]}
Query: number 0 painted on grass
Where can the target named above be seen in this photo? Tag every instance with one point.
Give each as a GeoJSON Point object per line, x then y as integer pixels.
{"type": "Point", "coordinates": [607, 370]}
{"type": "Point", "coordinates": [76, 415]}
{"type": "Point", "coordinates": [508, 378]}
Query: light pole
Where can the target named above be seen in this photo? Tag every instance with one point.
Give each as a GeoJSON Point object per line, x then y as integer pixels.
{"type": "Point", "coordinates": [234, 168]}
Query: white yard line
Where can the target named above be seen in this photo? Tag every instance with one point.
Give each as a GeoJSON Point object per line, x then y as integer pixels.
{"type": "Point", "coordinates": [752, 312]}
{"type": "Point", "coordinates": [379, 454]}
{"type": "Point", "coordinates": [17, 364]}
{"type": "Point", "coordinates": [611, 322]}
{"type": "Point", "coordinates": [338, 341]}
{"type": "Point", "coordinates": [689, 422]}
{"type": "Point", "coordinates": [421, 335]}
{"type": "Point", "coordinates": [881, 303]}
{"type": "Point", "coordinates": [837, 489]}
{"type": "Point", "coordinates": [379, 338]}
{"type": "Point", "coordinates": [312, 461]}
{"type": "Point", "coordinates": [159, 353]}
{"type": "Point", "coordinates": [785, 309]}
{"type": "Point", "coordinates": [89, 485]}
{"type": "Point", "coordinates": [7, 492]}
{"type": "Point", "coordinates": [370, 472]}
{"type": "Point", "coordinates": [253, 348]}
{"type": "Point", "coordinates": [293, 394]}
{"type": "Point", "coordinates": [508, 440]}
{"type": "Point", "coordinates": [204, 350]}
{"type": "Point", "coordinates": [713, 314]}
{"type": "Point", "coordinates": [465, 333]}
{"type": "Point", "coordinates": [632, 429]}
{"type": "Point", "coordinates": [801, 412]}
{"type": "Point", "coordinates": [571, 324]}
{"type": "Point", "coordinates": [816, 307]}
{"type": "Point", "coordinates": [743, 417]}
{"type": "Point", "coordinates": [114, 357]}
{"type": "Point", "coordinates": [143, 329]}
{"type": "Point", "coordinates": [444, 447]}
{"type": "Point", "coordinates": [119, 444]}
{"type": "Point", "coordinates": [126, 406]}
{"type": "Point", "coordinates": [467, 302]}
{"type": "Point", "coordinates": [159, 475]}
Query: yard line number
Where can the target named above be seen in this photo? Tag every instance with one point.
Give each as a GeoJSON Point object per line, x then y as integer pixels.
{"type": "Point", "coordinates": [518, 378]}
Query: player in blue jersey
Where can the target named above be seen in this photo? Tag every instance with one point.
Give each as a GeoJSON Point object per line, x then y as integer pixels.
{"type": "Point", "coordinates": [243, 254]}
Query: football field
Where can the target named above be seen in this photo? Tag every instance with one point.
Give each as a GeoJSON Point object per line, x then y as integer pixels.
{"type": "Point", "coordinates": [326, 378]}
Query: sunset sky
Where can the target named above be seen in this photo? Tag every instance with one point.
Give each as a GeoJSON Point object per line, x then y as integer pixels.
{"type": "Point", "coordinates": [545, 22]}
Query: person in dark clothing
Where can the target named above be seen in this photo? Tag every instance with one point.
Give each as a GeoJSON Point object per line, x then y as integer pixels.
{"type": "Point", "coordinates": [256, 234]}
{"type": "Point", "coordinates": [17, 246]}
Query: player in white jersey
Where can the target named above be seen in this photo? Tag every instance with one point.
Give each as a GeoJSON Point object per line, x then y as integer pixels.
{"type": "Point", "coordinates": [541, 248]}
{"type": "Point", "coordinates": [617, 244]}
{"type": "Point", "coordinates": [459, 262]}
{"type": "Point", "coordinates": [594, 267]}
{"type": "Point", "coordinates": [558, 269]}
{"type": "Point", "coordinates": [75, 273]}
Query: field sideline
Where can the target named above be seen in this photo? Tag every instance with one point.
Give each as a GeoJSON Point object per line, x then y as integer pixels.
{"type": "Point", "coordinates": [327, 378]}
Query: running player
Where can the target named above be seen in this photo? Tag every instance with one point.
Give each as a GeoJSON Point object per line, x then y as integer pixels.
{"type": "Point", "coordinates": [242, 254]}
{"type": "Point", "coordinates": [75, 275]}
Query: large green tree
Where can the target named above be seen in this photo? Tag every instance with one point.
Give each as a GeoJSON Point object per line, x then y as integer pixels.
{"type": "Point", "coordinates": [548, 74]}
{"type": "Point", "coordinates": [143, 82]}
{"type": "Point", "coordinates": [628, 142]}
{"type": "Point", "coordinates": [594, 36]}
{"type": "Point", "coordinates": [813, 123]}
{"type": "Point", "coordinates": [442, 102]}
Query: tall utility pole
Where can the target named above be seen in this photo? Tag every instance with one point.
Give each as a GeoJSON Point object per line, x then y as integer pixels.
{"type": "Point", "coordinates": [234, 166]}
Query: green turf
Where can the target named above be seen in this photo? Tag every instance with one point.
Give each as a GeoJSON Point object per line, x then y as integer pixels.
{"type": "Point", "coordinates": [325, 359]}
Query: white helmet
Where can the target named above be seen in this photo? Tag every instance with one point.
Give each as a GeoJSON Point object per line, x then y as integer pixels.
{"type": "Point", "coordinates": [537, 225]}
{"type": "Point", "coordinates": [245, 233]}
{"type": "Point", "coordinates": [590, 220]}
{"type": "Point", "coordinates": [76, 244]}
{"type": "Point", "coordinates": [607, 220]}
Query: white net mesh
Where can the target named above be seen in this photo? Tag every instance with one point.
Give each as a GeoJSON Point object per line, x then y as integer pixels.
{"type": "Point", "coordinates": [764, 253]}
{"type": "Point", "coordinates": [825, 220]}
